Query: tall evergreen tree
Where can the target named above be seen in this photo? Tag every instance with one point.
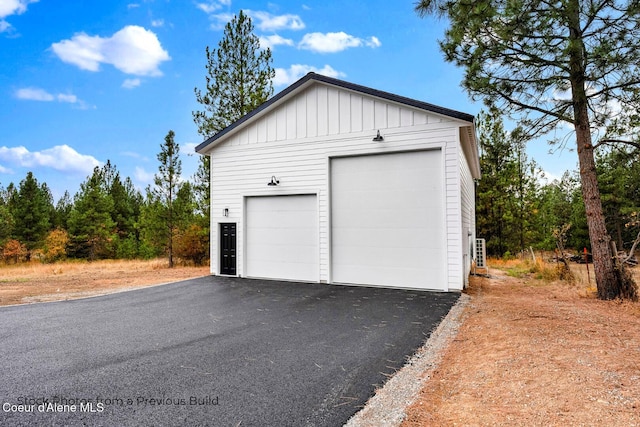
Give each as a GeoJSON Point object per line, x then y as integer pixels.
{"type": "Point", "coordinates": [91, 227]}
{"type": "Point", "coordinates": [126, 214]}
{"type": "Point", "coordinates": [6, 218]}
{"type": "Point", "coordinates": [494, 193]}
{"type": "Point", "coordinates": [507, 192]}
{"type": "Point", "coordinates": [62, 211]}
{"type": "Point", "coordinates": [167, 185]}
{"type": "Point", "coordinates": [239, 79]}
{"type": "Point", "coordinates": [31, 212]}
{"type": "Point", "coordinates": [619, 178]}
{"type": "Point", "coordinates": [551, 63]}
{"type": "Point", "coordinates": [126, 205]}
{"type": "Point", "coordinates": [153, 238]}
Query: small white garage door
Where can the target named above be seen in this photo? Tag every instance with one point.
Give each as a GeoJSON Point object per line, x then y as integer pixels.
{"type": "Point", "coordinates": [282, 237]}
{"type": "Point", "coordinates": [387, 220]}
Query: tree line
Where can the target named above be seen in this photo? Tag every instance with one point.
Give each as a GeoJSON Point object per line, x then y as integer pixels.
{"type": "Point", "coordinates": [518, 209]}
{"type": "Point", "coordinates": [108, 217]}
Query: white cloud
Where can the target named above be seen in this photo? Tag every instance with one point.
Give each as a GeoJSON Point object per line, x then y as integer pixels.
{"type": "Point", "coordinates": [12, 7]}
{"type": "Point", "coordinates": [268, 22]}
{"type": "Point", "coordinates": [67, 97]}
{"type": "Point", "coordinates": [157, 23]}
{"type": "Point", "coordinates": [61, 158]}
{"type": "Point", "coordinates": [335, 42]}
{"type": "Point", "coordinates": [132, 50]}
{"type": "Point", "coordinates": [133, 5]}
{"type": "Point", "coordinates": [142, 176]}
{"type": "Point", "coordinates": [286, 77]}
{"type": "Point", "coordinates": [131, 83]}
{"type": "Point", "coordinates": [211, 6]}
{"type": "Point", "coordinates": [274, 40]}
{"type": "Point", "coordinates": [373, 41]}
{"type": "Point", "coordinates": [34, 94]}
{"type": "Point", "coordinates": [208, 7]}
{"type": "Point", "coordinates": [220, 20]}
{"type": "Point", "coordinates": [5, 170]}
{"type": "Point", "coordinates": [135, 155]}
{"type": "Point", "coordinates": [189, 148]}
{"type": "Point", "coordinates": [264, 21]}
{"type": "Point", "coordinates": [37, 94]}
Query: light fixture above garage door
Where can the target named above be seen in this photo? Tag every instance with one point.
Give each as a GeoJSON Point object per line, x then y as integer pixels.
{"type": "Point", "coordinates": [274, 181]}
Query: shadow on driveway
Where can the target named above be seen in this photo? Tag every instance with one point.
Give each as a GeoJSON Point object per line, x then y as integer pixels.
{"type": "Point", "coordinates": [210, 351]}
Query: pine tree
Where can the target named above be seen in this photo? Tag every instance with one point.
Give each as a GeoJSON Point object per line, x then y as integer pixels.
{"type": "Point", "coordinates": [167, 185]}
{"type": "Point", "coordinates": [6, 219]}
{"type": "Point", "coordinates": [31, 212]}
{"type": "Point", "coordinates": [238, 80]}
{"type": "Point", "coordinates": [91, 228]}
{"type": "Point", "coordinates": [62, 211]}
{"type": "Point", "coordinates": [507, 192]}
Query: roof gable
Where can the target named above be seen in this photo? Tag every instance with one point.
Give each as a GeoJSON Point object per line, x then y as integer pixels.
{"type": "Point", "coordinates": [309, 80]}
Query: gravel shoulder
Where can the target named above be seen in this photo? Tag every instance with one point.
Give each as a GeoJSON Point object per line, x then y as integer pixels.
{"type": "Point", "coordinates": [389, 405]}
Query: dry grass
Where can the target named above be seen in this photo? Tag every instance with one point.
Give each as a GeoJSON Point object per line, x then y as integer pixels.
{"type": "Point", "coordinates": [36, 282]}
{"type": "Point", "coordinates": [537, 352]}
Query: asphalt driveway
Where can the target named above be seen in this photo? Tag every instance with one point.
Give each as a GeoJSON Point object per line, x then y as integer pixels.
{"type": "Point", "coordinates": [209, 351]}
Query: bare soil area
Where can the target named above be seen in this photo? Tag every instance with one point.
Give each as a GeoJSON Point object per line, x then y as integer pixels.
{"type": "Point", "coordinates": [537, 353]}
{"type": "Point", "coordinates": [37, 282]}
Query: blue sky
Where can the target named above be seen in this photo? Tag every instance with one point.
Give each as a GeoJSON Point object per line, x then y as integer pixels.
{"type": "Point", "coordinates": [86, 82]}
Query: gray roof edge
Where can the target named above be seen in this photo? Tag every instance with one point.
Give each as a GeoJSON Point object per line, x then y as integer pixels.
{"type": "Point", "coordinates": [345, 85]}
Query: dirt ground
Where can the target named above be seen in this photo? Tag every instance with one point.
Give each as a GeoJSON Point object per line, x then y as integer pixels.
{"type": "Point", "coordinates": [37, 282]}
{"type": "Point", "coordinates": [537, 354]}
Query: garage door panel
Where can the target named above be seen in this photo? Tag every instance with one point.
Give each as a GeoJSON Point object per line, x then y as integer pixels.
{"type": "Point", "coordinates": [282, 237]}
{"type": "Point", "coordinates": [387, 238]}
{"type": "Point", "coordinates": [388, 220]}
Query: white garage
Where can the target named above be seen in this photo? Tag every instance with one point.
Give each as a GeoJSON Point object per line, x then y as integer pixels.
{"type": "Point", "coordinates": [338, 183]}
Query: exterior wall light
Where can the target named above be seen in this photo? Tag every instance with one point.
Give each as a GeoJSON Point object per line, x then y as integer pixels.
{"type": "Point", "coordinates": [225, 212]}
{"type": "Point", "coordinates": [273, 182]}
{"type": "Point", "coordinates": [378, 137]}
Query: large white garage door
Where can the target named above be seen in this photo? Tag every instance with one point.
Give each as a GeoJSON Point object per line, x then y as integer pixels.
{"type": "Point", "coordinates": [387, 220]}
{"type": "Point", "coordinates": [282, 237]}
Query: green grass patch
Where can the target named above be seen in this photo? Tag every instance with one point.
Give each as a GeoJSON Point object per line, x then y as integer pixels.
{"type": "Point", "coordinates": [18, 280]}
{"type": "Point", "coordinates": [519, 272]}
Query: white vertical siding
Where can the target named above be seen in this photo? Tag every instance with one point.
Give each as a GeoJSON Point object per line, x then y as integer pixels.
{"type": "Point", "coordinates": [324, 111]}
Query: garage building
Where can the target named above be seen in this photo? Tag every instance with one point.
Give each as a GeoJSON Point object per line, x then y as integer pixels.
{"type": "Point", "coordinates": [334, 182]}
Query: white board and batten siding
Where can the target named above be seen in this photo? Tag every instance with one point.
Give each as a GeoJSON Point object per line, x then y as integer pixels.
{"type": "Point", "coordinates": [299, 139]}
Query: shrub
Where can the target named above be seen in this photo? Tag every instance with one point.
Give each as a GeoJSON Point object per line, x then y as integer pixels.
{"type": "Point", "coordinates": [192, 244]}
{"type": "Point", "coordinates": [55, 245]}
{"type": "Point", "coordinates": [14, 251]}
